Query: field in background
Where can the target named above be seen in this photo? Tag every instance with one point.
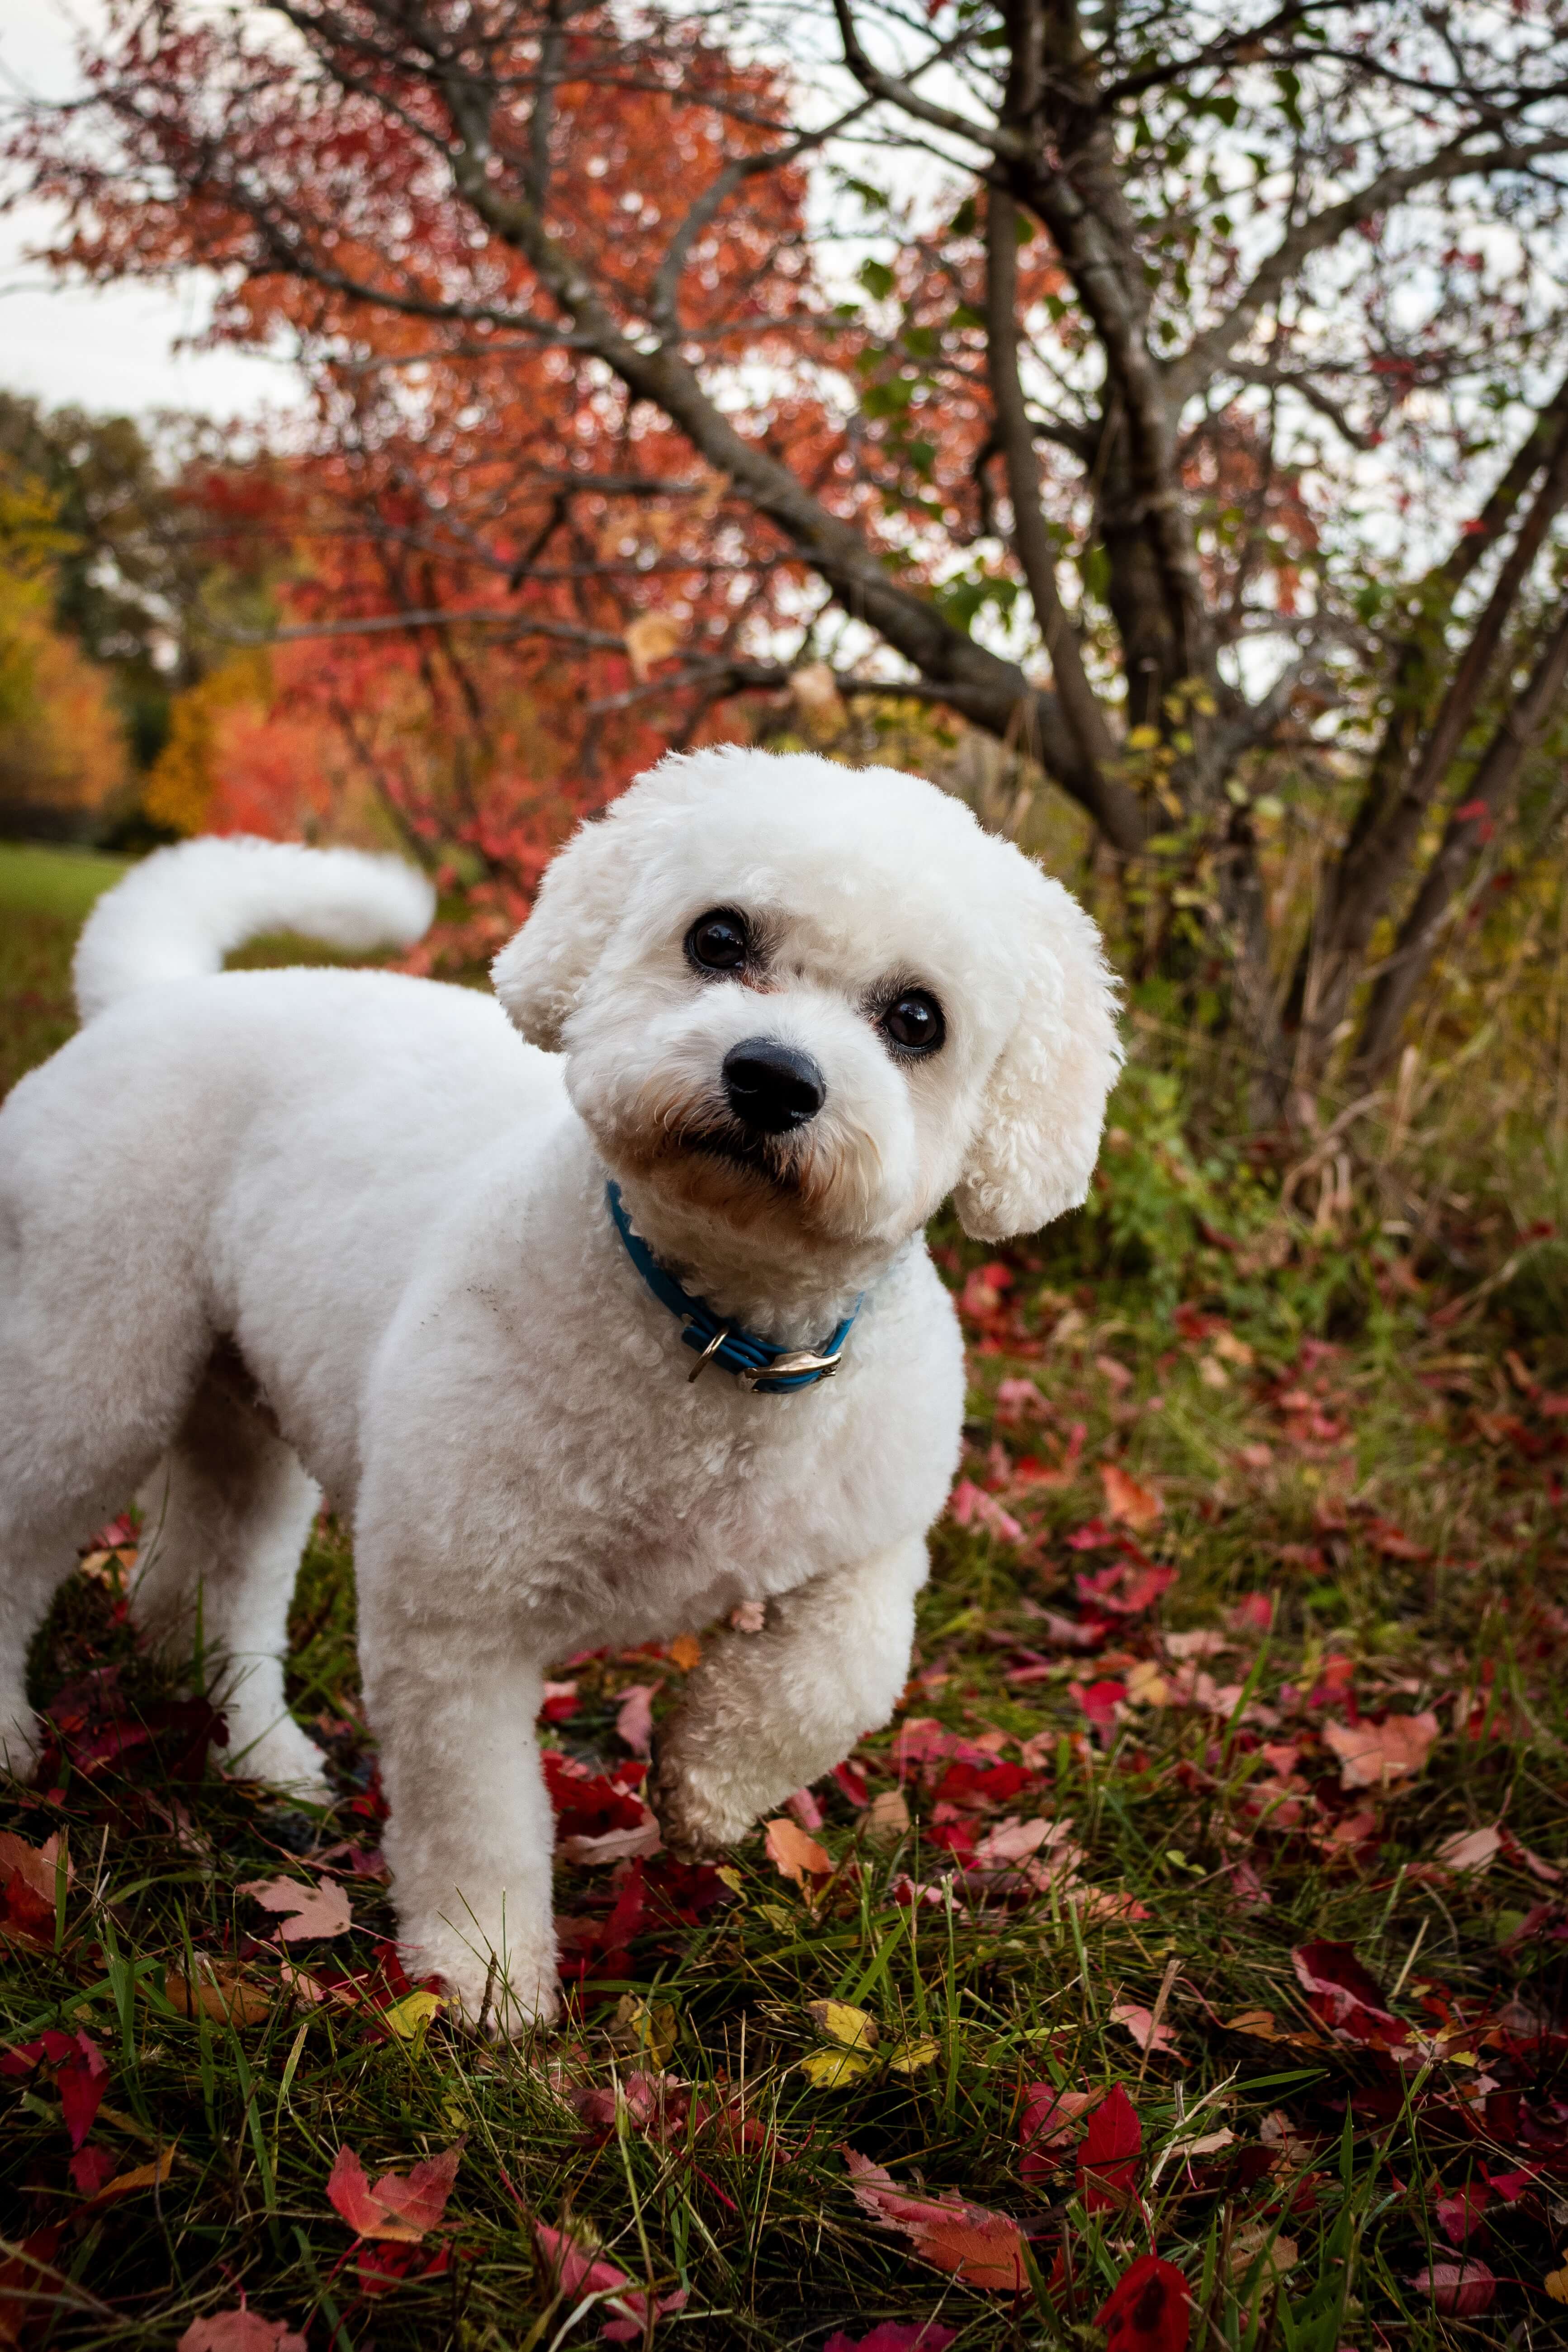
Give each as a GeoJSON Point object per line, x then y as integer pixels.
{"type": "Point", "coordinates": [1203, 1908]}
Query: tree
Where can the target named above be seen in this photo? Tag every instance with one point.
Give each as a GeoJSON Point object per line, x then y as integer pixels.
{"type": "Point", "coordinates": [1152, 307]}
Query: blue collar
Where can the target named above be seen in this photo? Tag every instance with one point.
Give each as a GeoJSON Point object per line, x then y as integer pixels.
{"type": "Point", "coordinates": [759, 1368]}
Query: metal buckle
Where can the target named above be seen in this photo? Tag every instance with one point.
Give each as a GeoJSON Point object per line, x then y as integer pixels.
{"type": "Point", "coordinates": [709, 1352]}
{"type": "Point", "coordinates": [794, 1361]}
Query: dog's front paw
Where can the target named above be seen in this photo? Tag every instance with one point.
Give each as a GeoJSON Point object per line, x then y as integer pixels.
{"type": "Point", "coordinates": [21, 1743]}
{"type": "Point", "coordinates": [696, 1820]}
{"type": "Point", "coordinates": [285, 1758]}
{"type": "Point", "coordinates": [506, 2000]}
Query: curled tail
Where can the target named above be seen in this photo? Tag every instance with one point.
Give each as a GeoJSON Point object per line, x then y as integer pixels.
{"type": "Point", "coordinates": [181, 911]}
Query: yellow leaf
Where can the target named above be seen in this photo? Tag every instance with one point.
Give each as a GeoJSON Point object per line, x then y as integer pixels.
{"type": "Point", "coordinates": [730, 1878]}
{"type": "Point", "coordinates": [410, 2016]}
{"type": "Point", "coordinates": [1556, 2285]}
{"type": "Point", "coordinates": [1143, 739]}
{"type": "Point", "coordinates": [855, 2028]}
{"type": "Point", "coordinates": [649, 2035]}
{"type": "Point", "coordinates": [909, 2057]}
{"type": "Point", "coordinates": [684, 1651]}
{"type": "Point", "coordinates": [778, 1914]}
{"type": "Point", "coordinates": [829, 2069]}
{"type": "Point", "coordinates": [651, 638]}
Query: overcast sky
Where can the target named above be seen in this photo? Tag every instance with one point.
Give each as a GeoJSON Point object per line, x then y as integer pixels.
{"type": "Point", "coordinates": [113, 349]}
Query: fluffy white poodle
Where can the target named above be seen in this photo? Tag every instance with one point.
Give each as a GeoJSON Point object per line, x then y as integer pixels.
{"type": "Point", "coordinates": [594, 1333]}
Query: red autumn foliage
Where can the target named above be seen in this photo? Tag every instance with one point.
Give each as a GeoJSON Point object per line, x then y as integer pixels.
{"type": "Point", "coordinates": [1149, 2310]}
{"type": "Point", "coordinates": [1107, 2155]}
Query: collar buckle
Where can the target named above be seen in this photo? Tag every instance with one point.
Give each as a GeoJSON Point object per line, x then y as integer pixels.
{"type": "Point", "coordinates": [792, 1364]}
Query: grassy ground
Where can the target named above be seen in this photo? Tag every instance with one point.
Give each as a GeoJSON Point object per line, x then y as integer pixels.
{"type": "Point", "coordinates": [1147, 1922]}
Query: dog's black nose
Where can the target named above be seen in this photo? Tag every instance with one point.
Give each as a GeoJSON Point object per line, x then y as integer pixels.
{"type": "Point", "coordinates": [770, 1088]}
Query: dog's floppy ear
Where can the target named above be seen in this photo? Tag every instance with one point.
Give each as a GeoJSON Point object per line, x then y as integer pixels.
{"type": "Point", "coordinates": [539, 975]}
{"type": "Point", "coordinates": [1038, 1137]}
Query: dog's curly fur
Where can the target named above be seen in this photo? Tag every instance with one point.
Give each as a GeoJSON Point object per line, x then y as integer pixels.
{"type": "Point", "coordinates": [268, 1236]}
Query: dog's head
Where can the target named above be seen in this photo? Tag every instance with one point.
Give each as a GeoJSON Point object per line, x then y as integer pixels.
{"type": "Point", "coordinates": [813, 1000]}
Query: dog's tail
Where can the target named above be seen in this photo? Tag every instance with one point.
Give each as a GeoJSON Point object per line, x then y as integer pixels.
{"type": "Point", "coordinates": [180, 912]}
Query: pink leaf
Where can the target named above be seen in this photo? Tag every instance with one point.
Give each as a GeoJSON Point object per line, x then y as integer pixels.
{"type": "Point", "coordinates": [578, 2269]}
{"type": "Point", "coordinates": [1046, 2124]}
{"type": "Point", "coordinates": [1459, 2290]}
{"type": "Point", "coordinates": [1140, 2023]}
{"type": "Point", "coordinates": [323, 1909]}
{"type": "Point", "coordinates": [983, 2248]}
{"type": "Point", "coordinates": [805, 1809]}
{"type": "Point", "coordinates": [1373, 1755]}
{"type": "Point", "coordinates": [401, 2206]}
{"type": "Point", "coordinates": [240, 2331]}
{"type": "Point", "coordinates": [634, 1722]}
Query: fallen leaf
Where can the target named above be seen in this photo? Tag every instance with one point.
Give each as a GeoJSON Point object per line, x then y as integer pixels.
{"type": "Point", "coordinates": [634, 1720]}
{"type": "Point", "coordinates": [1474, 1850]}
{"type": "Point", "coordinates": [1182, 2151]}
{"type": "Point", "coordinates": [1344, 1995]}
{"type": "Point", "coordinates": [141, 2175]}
{"type": "Point", "coordinates": [1140, 2023]}
{"type": "Point", "coordinates": [28, 1876]}
{"type": "Point", "coordinates": [896, 2335]}
{"type": "Point", "coordinates": [685, 1650]}
{"type": "Point", "coordinates": [1125, 1499]}
{"type": "Point", "coordinates": [803, 1808]}
{"type": "Point", "coordinates": [409, 2018]}
{"type": "Point", "coordinates": [1108, 2156]}
{"type": "Point", "coordinates": [651, 638]}
{"type": "Point", "coordinates": [887, 1818]}
{"type": "Point", "coordinates": [1461, 2215]}
{"type": "Point", "coordinates": [1047, 2124]}
{"type": "Point", "coordinates": [830, 2070]}
{"type": "Point", "coordinates": [218, 1994]}
{"type": "Point", "coordinates": [981, 2247]}
{"type": "Point", "coordinates": [1149, 2309]}
{"type": "Point", "coordinates": [970, 1506]}
{"type": "Point", "coordinates": [1373, 1755]}
{"type": "Point", "coordinates": [81, 2074]}
{"type": "Point", "coordinates": [793, 1854]}
{"type": "Point", "coordinates": [1459, 2290]}
{"type": "Point", "coordinates": [644, 2030]}
{"type": "Point", "coordinates": [321, 1910]}
{"type": "Point", "coordinates": [856, 2029]}
{"type": "Point", "coordinates": [1257, 2243]}
{"type": "Point", "coordinates": [1556, 2285]}
{"type": "Point", "coordinates": [578, 2269]}
{"type": "Point", "coordinates": [240, 2331]}
{"type": "Point", "coordinates": [401, 2206]}
{"type": "Point", "coordinates": [614, 1845]}
{"type": "Point", "coordinates": [1010, 1842]}
{"type": "Point", "coordinates": [918, 2050]}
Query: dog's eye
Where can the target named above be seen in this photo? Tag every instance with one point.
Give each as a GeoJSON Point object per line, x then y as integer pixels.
{"type": "Point", "coordinates": [718, 941]}
{"type": "Point", "coordinates": [914, 1022]}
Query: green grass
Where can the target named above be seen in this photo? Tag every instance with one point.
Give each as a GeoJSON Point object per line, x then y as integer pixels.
{"type": "Point", "coordinates": [1318, 1435]}
{"type": "Point", "coordinates": [44, 895]}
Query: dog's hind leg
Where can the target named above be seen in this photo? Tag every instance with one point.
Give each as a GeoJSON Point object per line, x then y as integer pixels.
{"type": "Point", "coordinates": [225, 1518]}
{"type": "Point", "coordinates": [768, 1713]}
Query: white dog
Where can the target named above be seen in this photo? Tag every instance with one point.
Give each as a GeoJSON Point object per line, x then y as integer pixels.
{"type": "Point", "coordinates": [267, 1235]}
